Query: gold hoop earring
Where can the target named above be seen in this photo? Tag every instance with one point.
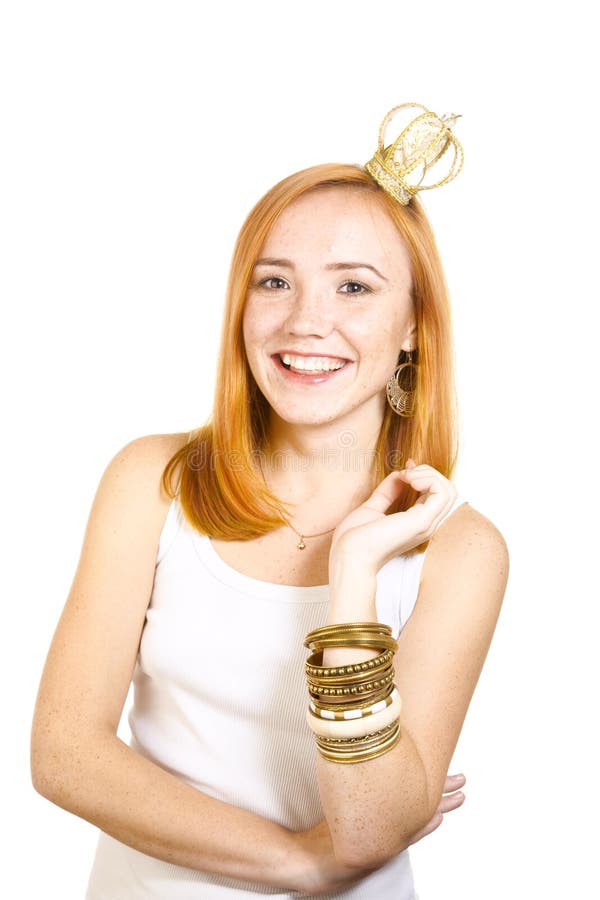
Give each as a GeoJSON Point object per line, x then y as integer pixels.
{"type": "Point", "coordinates": [401, 388]}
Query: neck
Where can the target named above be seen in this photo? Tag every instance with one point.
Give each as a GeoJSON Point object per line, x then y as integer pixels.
{"type": "Point", "coordinates": [317, 463]}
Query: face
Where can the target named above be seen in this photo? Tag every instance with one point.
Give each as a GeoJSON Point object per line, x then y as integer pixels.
{"type": "Point", "coordinates": [329, 309]}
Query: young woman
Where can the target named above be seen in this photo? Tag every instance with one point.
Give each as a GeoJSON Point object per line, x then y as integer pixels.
{"type": "Point", "coordinates": [318, 495]}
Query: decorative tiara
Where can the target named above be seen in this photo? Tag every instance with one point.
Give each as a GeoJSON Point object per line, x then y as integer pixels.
{"type": "Point", "coordinates": [401, 167]}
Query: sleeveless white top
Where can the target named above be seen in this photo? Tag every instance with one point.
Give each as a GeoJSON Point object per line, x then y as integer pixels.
{"type": "Point", "coordinates": [237, 731]}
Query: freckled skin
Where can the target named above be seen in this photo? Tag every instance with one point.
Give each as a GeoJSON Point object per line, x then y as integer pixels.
{"type": "Point", "coordinates": [316, 313]}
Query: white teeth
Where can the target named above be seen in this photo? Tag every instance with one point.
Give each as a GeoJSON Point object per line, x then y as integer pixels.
{"type": "Point", "coordinates": [312, 363]}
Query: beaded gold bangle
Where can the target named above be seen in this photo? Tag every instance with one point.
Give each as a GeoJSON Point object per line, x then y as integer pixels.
{"type": "Point", "coordinates": [356, 701]}
{"type": "Point", "coordinates": [349, 690]}
{"type": "Point", "coordinates": [347, 673]}
{"type": "Point", "coordinates": [314, 664]}
{"type": "Point", "coordinates": [343, 681]}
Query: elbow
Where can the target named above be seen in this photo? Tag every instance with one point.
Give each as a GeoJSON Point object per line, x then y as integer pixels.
{"type": "Point", "coordinates": [362, 850]}
{"type": "Point", "coordinates": [361, 858]}
{"type": "Point", "coordinates": [47, 773]}
{"type": "Point", "coordinates": [56, 766]}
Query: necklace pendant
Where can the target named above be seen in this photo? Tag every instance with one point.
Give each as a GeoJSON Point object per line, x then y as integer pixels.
{"type": "Point", "coordinates": [301, 545]}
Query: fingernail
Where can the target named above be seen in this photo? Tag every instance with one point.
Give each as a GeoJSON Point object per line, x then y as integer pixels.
{"type": "Point", "coordinates": [410, 463]}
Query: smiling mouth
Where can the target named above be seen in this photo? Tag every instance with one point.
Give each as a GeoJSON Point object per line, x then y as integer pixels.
{"type": "Point", "coordinates": [310, 365]}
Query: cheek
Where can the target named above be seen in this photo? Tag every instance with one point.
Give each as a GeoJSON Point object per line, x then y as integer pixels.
{"type": "Point", "coordinates": [252, 326]}
{"type": "Point", "coordinates": [259, 321]}
{"type": "Point", "coordinates": [376, 335]}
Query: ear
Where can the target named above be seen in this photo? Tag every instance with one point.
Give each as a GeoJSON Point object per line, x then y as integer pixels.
{"type": "Point", "coordinates": [410, 336]}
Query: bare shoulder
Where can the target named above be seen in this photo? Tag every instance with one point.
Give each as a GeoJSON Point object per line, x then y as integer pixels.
{"type": "Point", "coordinates": [130, 496]}
{"type": "Point", "coordinates": [148, 453]}
{"type": "Point", "coordinates": [142, 461]}
{"type": "Point", "coordinates": [467, 536]}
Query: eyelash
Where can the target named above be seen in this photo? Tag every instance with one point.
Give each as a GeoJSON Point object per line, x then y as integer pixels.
{"type": "Point", "coordinates": [365, 289]}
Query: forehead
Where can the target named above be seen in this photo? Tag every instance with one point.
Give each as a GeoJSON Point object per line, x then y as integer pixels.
{"type": "Point", "coordinates": [338, 224]}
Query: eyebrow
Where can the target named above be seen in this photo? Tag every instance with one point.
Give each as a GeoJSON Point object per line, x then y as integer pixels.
{"type": "Point", "coordinates": [286, 263]}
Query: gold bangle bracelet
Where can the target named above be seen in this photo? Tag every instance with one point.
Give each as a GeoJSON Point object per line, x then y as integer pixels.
{"type": "Point", "coordinates": [346, 743]}
{"type": "Point", "coordinates": [384, 747]}
{"type": "Point", "coordinates": [349, 690]}
{"type": "Point", "coordinates": [326, 630]}
{"type": "Point", "coordinates": [355, 672]}
{"type": "Point", "coordinates": [356, 678]}
{"type": "Point", "coordinates": [357, 701]}
{"type": "Point", "coordinates": [359, 639]}
{"type": "Point", "coordinates": [312, 667]}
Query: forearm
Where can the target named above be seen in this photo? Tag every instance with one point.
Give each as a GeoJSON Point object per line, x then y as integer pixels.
{"type": "Point", "coordinates": [140, 804]}
{"type": "Point", "coordinates": [372, 807]}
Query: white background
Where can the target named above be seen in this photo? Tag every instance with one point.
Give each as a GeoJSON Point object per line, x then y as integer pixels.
{"type": "Point", "coordinates": [136, 137]}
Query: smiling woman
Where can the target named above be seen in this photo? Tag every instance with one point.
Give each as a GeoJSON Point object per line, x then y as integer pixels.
{"type": "Point", "coordinates": [251, 769]}
{"type": "Point", "coordinates": [310, 308]}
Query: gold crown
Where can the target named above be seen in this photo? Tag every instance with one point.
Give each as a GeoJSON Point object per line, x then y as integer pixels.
{"type": "Point", "coordinates": [401, 167]}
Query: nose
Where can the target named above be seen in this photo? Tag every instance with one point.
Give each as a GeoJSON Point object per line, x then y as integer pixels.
{"type": "Point", "coordinates": [309, 314]}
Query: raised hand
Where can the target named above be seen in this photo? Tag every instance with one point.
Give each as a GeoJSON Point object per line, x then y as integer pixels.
{"type": "Point", "coordinates": [370, 538]}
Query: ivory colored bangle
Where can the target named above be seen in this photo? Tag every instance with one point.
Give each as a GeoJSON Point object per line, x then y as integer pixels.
{"type": "Point", "coordinates": [354, 727]}
{"type": "Point", "coordinates": [344, 715]}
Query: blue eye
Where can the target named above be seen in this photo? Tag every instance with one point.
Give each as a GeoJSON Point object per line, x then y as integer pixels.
{"type": "Point", "coordinates": [274, 283]}
{"type": "Point", "coordinates": [354, 287]}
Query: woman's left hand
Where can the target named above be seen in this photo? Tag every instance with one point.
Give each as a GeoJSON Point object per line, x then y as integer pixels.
{"type": "Point", "coordinates": [367, 537]}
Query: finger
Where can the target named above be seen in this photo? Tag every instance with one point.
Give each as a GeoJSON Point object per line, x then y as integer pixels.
{"type": "Point", "coordinates": [453, 782]}
{"type": "Point", "coordinates": [387, 491]}
{"type": "Point", "coordinates": [450, 802]}
{"type": "Point", "coordinates": [436, 492]}
{"type": "Point", "coordinates": [421, 478]}
{"type": "Point", "coordinates": [426, 513]}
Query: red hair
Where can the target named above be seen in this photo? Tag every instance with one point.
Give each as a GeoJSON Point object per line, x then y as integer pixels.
{"type": "Point", "coordinates": [221, 487]}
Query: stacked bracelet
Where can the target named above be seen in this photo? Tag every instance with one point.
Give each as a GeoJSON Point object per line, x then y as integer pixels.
{"type": "Point", "coordinates": [354, 710]}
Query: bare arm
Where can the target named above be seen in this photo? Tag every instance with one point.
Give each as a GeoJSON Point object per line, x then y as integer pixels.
{"type": "Point", "coordinates": [79, 763]}
{"type": "Point", "coordinates": [374, 806]}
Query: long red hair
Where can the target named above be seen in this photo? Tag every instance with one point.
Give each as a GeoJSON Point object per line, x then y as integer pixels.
{"type": "Point", "coordinates": [220, 484]}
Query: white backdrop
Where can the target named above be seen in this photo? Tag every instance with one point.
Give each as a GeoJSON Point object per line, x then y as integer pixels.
{"type": "Point", "coordinates": [136, 137]}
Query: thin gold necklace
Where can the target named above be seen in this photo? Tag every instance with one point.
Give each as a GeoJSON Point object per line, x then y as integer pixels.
{"type": "Point", "coordinates": [301, 545]}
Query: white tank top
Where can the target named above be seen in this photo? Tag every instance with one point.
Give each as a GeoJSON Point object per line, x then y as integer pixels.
{"type": "Point", "coordinates": [235, 729]}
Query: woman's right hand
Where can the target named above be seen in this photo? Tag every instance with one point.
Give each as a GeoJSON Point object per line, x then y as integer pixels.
{"type": "Point", "coordinates": [325, 874]}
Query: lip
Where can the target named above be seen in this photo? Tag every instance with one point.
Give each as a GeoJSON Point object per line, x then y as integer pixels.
{"type": "Point", "coordinates": [315, 378]}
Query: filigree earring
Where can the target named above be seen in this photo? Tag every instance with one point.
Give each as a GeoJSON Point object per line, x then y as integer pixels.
{"type": "Point", "coordinates": [402, 387]}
